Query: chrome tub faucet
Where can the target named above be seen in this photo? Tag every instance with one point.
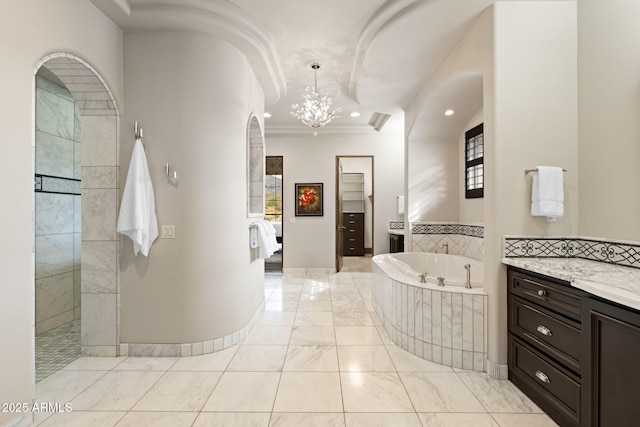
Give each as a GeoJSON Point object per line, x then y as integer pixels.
{"type": "Point", "coordinates": [445, 246]}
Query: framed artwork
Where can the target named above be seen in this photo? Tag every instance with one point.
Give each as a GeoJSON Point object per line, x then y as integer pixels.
{"type": "Point", "coordinates": [309, 199]}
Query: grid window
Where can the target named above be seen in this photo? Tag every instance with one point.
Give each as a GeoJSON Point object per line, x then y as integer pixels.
{"type": "Point", "coordinates": [474, 162]}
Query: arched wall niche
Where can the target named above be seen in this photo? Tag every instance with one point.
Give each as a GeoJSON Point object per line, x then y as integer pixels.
{"type": "Point", "coordinates": [99, 130]}
{"type": "Point", "coordinates": [255, 168]}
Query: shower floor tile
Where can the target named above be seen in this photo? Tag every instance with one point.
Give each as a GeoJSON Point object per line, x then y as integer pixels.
{"type": "Point", "coordinates": [56, 348]}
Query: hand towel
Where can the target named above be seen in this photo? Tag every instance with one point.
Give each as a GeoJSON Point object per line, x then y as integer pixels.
{"type": "Point", "coordinates": [547, 194]}
{"type": "Point", "coordinates": [137, 218]}
{"type": "Point", "coordinates": [266, 238]}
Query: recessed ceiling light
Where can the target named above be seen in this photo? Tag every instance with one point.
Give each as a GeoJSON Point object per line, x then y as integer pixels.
{"type": "Point", "coordinates": [267, 115]}
{"type": "Point", "coordinates": [355, 114]}
{"type": "Point", "coordinates": [449, 112]}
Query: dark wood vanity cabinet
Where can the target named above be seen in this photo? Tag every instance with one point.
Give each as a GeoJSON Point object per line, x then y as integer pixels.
{"type": "Point", "coordinates": [545, 343]}
{"type": "Point", "coordinates": [611, 378]}
{"type": "Point", "coordinates": [354, 234]}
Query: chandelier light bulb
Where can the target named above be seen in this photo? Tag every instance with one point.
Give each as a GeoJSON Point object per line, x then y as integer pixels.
{"type": "Point", "coordinates": [314, 111]}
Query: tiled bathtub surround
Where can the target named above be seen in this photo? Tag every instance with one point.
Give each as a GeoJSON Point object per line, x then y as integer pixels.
{"type": "Point", "coordinates": [618, 252]}
{"type": "Point", "coordinates": [449, 328]}
{"type": "Point", "coordinates": [396, 225]}
{"type": "Point", "coordinates": [463, 239]}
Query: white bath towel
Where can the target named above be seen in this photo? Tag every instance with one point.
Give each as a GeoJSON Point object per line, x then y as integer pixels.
{"type": "Point", "coordinates": [547, 194]}
{"type": "Point", "coordinates": [263, 236]}
{"type": "Point", "coordinates": [137, 218]}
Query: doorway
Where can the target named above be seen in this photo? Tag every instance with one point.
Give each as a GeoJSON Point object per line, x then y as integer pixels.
{"type": "Point", "coordinates": [74, 233]}
{"type": "Point", "coordinates": [273, 207]}
{"type": "Point", "coordinates": [354, 212]}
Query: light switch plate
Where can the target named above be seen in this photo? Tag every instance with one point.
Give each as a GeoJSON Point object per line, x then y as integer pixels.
{"type": "Point", "coordinates": [168, 231]}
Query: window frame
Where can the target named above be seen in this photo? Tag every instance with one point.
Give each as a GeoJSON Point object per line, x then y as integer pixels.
{"type": "Point", "coordinates": [473, 193]}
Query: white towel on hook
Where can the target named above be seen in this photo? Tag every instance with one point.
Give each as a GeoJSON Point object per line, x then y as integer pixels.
{"type": "Point", "coordinates": [137, 218]}
{"type": "Point", "coordinates": [547, 193]}
{"type": "Point", "coordinates": [263, 236]}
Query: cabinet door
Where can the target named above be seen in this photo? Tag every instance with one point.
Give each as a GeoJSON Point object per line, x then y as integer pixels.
{"type": "Point", "coordinates": [611, 378]}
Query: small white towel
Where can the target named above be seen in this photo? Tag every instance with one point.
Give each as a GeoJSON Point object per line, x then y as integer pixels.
{"type": "Point", "coordinates": [547, 193]}
{"type": "Point", "coordinates": [137, 218]}
{"type": "Point", "coordinates": [263, 236]}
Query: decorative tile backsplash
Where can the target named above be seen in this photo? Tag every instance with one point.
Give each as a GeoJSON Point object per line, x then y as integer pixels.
{"type": "Point", "coordinates": [396, 225]}
{"type": "Point", "coordinates": [609, 251]}
{"type": "Point", "coordinates": [461, 239]}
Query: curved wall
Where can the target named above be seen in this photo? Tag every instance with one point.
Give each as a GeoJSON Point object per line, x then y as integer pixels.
{"type": "Point", "coordinates": [193, 95]}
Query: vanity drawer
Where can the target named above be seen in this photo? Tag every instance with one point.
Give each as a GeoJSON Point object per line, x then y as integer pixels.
{"type": "Point", "coordinates": [557, 297]}
{"type": "Point", "coordinates": [560, 338]}
{"type": "Point", "coordinates": [554, 389]}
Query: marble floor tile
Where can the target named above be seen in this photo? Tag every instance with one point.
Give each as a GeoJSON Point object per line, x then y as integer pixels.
{"type": "Point", "coordinates": [258, 358]}
{"type": "Point", "coordinates": [279, 306]}
{"type": "Point", "coordinates": [313, 335]}
{"type": "Point", "coordinates": [274, 318]}
{"type": "Point", "coordinates": [524, 420]}
{"type": "Point", "coordinates": [384, 420]}
{"type": "Point", "coordinates": [374, 392]}
{"type": "Point", "coordinates": [63, 386]}
{"type": "Point", "coordinates": [232, 419]}
{"type": "Point", "coordinates": [116, 391]}
{"type": "Point", "coordinates": [146, 364]}
{"type": "Point", "coordinates": [269, 335]}
{"type": "Point", "coordinates": [94, 364]}
{"type": "Point", "coordinates": [314, 306]}
{"type": "Point", "coordinates": [407, 362]}
{"type": "Point", "coordinates": [439, 392]}
{"type": "Point", "coordinates": [309, 392]}
{"type": "Point", "coordinates": [158, 419]}
{"type": "Point", "coordinates": [342, 305]}
{"type": "Point", "coordinates": [457, 420]}
{"type": "Point", "coordinates": [311, 358]}
{"type": "Point", "coordinates": [498, 395]}
{"type": "Point", "coordinates": [356, 318]}
{"type": "Point", "coordinates": [83, 419]}
{"type": "Point", "coordinates": [357, 335]}
{"type": "Point", "coordinates": [244, 391]}
{"type": "Point", "coordinates": [364, 358]}
{"type": "Point", "coordinates": [217, 361]}
{"type": "Point", "coordinates": [307, 420]}
{"type": "Point", "coordinates": [179, 391]}
{"type": "Point", "coordinates": [314, 318]}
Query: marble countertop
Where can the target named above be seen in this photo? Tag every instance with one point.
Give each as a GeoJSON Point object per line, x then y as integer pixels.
{"type": "Point", "coordinates": [608, 281]}
{"type": "Point", "coordinates": [395, 231]}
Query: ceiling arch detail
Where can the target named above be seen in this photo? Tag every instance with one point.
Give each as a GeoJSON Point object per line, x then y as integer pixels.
{"type": "Point", "coordinates": [219, 18]}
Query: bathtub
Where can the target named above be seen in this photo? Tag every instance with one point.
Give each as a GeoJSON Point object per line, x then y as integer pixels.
{"type": "Point", "coordinates": [443, 324]}
{"type": "Point", "coordinates": [450, 267]}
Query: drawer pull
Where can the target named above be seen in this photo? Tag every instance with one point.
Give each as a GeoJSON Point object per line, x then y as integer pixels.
{"type": "Point", "coordinates": [352, 222]}
{"type": "Point", "coordinates": [542, 377]}
{"type": "Point", "coordinates": [542, 293]}
{"type": "Point", "coordinates": [544, 330]}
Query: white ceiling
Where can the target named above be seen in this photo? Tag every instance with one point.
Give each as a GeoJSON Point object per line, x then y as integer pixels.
{"type": "Point", "coordinates": [375, 54]}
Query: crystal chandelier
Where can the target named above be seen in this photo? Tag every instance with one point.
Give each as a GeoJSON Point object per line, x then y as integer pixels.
{"type": "Point", "coordinates": [314, 110]}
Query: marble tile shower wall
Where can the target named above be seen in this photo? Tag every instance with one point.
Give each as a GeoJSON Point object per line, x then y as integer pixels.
{"type": "Point", "coordinates": [462, 239]}
{"type": "Point", "coordinates": [57, 216]}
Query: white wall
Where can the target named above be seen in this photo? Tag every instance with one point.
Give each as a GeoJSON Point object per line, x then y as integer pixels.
{"type": "Point", "coordinates": [29, 31]}
{"type": "Point", "coordinates": [609, 117]}
{"type": "Point", "coordinates": [310, 241]}
{"type": "Point", "coordinates": [193, 96]}
{"type": "Point", "coordinates": [535, 123]}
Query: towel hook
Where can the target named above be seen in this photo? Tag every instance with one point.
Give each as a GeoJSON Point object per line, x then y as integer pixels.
{"type": "Point", "coordinates": [168, 174]}
{"type": "Point", "coordinates": [137, 132]}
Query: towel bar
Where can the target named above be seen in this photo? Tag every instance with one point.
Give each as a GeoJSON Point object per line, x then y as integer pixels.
{"type": "Point", "coordinates": [528, 171]}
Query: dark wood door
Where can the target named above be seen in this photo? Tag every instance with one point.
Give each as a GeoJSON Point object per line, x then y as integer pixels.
{"type": "Point", "coordinates": [611, 378]}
